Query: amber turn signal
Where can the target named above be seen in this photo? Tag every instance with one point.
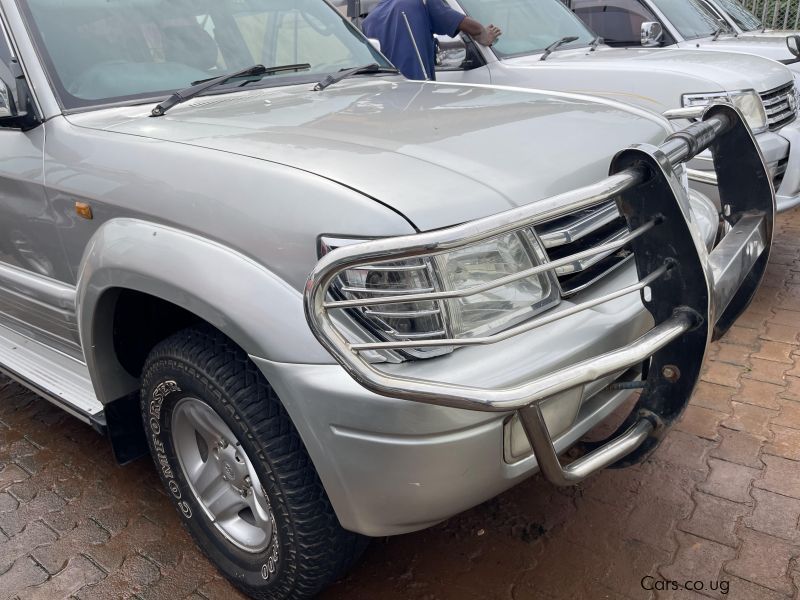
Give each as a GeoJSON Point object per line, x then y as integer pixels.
{"type": "Point", "coordinates": [83, 210]}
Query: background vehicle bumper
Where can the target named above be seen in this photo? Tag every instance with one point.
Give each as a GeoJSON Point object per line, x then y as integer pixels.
{"type": "Point", "coordinates": [781, 152]}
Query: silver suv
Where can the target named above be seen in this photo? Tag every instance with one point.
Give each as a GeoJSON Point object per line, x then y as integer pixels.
{"type": "Point", "coordinates": [332, 303]}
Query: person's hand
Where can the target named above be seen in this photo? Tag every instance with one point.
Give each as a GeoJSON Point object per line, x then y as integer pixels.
{"type": "Point", "coordinates": [489, 35]}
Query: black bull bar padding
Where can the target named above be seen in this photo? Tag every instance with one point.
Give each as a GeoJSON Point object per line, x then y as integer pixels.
{"type": "Point", "coordinates": [693, 296]}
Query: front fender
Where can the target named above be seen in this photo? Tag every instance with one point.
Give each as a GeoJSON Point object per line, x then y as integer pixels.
{"type": "Point", "coordinates": [251, 305]}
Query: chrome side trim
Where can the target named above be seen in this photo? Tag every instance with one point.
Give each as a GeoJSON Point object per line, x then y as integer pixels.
{"type": "Point", "coordinates": [46, 290]}
{"type": "Point", "coordinates": [579, 228]}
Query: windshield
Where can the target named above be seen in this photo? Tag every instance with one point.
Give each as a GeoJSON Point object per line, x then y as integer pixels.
{"type": "Point", "coordinates": [529, 26]}
{"type": "Point", "coordinates": [744, 19]}
{"type": "Point", "coordinates": [103, 51]}
{"type": "Point", "coordinates": [689, 17]}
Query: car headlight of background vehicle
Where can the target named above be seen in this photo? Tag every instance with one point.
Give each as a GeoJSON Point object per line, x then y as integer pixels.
{"type": "Point", "coordinates": [747, 101]}
{"type": "Point", "coordinates": [468, 317]}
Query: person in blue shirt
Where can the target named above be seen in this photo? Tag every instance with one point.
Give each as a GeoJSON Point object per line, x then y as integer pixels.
{"type": "Point", "coordinates": [386, 24]}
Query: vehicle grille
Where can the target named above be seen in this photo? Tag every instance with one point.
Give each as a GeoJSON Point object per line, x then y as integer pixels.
{"type": "Point", "coordinates": [780, 105]}
{"type": "Point", "coordinates": [581, 231]}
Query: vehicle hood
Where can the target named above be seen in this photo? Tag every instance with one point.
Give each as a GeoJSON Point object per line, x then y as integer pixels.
{"type": "Point", "coordinates": [720, 71]}
{"type": "Point", "coordinates": [773, 47]}
{"type": "Point", "coordinates": [437, 153]}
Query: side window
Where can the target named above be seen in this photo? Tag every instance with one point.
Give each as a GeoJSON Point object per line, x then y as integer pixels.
{"type": "Point", "coordinates": [9, 69]}
{"type": "Point", "coordinates": [618, 22]}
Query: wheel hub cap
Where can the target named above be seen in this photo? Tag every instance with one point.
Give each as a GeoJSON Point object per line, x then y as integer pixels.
{"type": "Point", "coordinates": [221, 476]}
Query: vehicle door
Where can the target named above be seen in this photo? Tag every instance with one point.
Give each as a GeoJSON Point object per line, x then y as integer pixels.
{"type": "Point", "coordinates": [36, 298]}
{"type": "Point", "coordinates": [618, 22]}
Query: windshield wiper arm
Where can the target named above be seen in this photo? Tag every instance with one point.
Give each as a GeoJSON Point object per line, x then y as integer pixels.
{"type": "Point", "coordinates": [554, 46]}
{"type": "Point", "coordinates": [345, 73]}
{"type": "Point", "coordinates": [203, 85]}
{"type": "Point", "coordinates": [595, 43]}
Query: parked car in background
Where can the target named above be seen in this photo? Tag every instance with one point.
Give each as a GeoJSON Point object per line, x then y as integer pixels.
{"type": "Point", "coordinates": [742, 22]}
{"type": "Point", "coordinates": [544, 46]}
{"type": "Point", "coordinates": [677, 24]}
{"type": "Point", "coordinates": [332, 303]}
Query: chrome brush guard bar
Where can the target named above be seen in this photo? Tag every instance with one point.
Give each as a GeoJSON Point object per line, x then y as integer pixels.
{"type": "Point", "coordinates": [691, 294]}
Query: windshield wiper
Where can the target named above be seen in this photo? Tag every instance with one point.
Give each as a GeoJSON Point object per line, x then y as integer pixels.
{"type": "Point", "coordinates": [595, 43]}
{"type": "Point", "coordinates": [722, 27]}
{"type": "Point", "coordinates": [554, 46]}
{"type": "Point", "coordinates": [203, 85]}
{"type": "Point", "coordinates": [345, 73]}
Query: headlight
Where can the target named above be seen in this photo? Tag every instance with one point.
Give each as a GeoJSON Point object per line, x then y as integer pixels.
{"type": "Point", "coordinates": [747, 101]}
{"type": "Point", "coordinates": [475, 315]}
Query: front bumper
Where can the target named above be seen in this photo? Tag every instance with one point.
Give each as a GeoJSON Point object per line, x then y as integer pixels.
{"type": "Point", "coordinates": [689, 293]}
{"type": "Point", "coordinates": [781, 153]}
{"type": "Point", "coordinates": [398, 466]}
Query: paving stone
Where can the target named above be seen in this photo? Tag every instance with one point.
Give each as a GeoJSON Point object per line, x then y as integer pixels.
{"type": "Point", "coordinates": [776, 515]}
{"type": "Point", "coordinates": [743, 336]}
{"type": "Point", "coordinates": [701, 422]}
{"type": "Point", "coordinates": [741, 589]}
{"type": "Point", "coordinates": [722, 373]}
{"type": "Point", "coordinates": [793, 388]}
{"type": "Point", "coordinates": [739, 447]}
{"type": "Point", "coordinates": [684, 450]}
{"type": "Point", "coordinates": [629, 561]}
{"type": "Point", "coordinates": [789, 414]}
{"type": "Point", "coordinates": [766, 370]}
{"type": "Point", "coordinates": [776, 351]}
{"type": "Point", "coordinates": [752, 319]}
{"type": "Point", "coordinates": [781, 476]}
{"type": "Point", "coordinates": [34, 535]}
{"type": "Point", "coordinates": [764, 560]}
{"type": "Point", "coordinates": [729, 480]}
{"type": "Point", "coordinates": [54, 557]}
{"type": "Point", "coordinates": [786, 334]}
{"type": "Point", "coordinates": [79, 573]}
{"type": "Point", "coordinates": [714, 397]}
{"type": "Point", "coordinates": [15, 519]}
{"type": "Point", "coordinates": [715, 519]}
{"type": "Point", "coordinates": [733, 354]}
{"type": "Point", "coordinates": [133, 576]}
{"type": "Point", "coordinates": [785, 443]}
{"type": "Point", "coordinates": [697, 559]}
{"type": "Point", "coordinates": [759, 393]}
{"type": "Point", "coordinates": [11, 473]}
{"type": "Point", "coordinates": [750, 419]}
{"type": "Point", "coordinates": [22, 574]}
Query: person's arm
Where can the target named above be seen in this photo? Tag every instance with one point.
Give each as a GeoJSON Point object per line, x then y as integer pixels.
{"type": "Point", "coordinates": [479, 33]}
{"type": "Point", "coordinates": [446, 21]}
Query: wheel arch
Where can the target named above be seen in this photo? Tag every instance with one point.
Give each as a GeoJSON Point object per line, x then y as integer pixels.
{"type": "Point", "coordinates": [157, 268]}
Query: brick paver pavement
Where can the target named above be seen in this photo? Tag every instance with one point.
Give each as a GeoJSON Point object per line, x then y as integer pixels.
{"type": "Point", "coordinates": [718, 504]}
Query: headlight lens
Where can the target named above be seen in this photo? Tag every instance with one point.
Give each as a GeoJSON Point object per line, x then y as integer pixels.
{"type": "Point", "coordinates": [471, 316]}
{"type": "Point", "coordinates": [747, 101]}
{"type": "Point", "coordinates": [499, 307]}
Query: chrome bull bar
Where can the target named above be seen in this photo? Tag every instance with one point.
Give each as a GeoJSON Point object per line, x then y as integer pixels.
{"type": "Point", "coordinates": [691, 294]}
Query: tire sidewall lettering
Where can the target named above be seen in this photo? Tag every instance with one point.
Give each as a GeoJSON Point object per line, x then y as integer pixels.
{"type": "Point", "coordinates": [157, 397]}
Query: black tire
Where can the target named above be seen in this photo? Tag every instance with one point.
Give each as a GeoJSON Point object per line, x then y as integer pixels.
{"type": "Point", "coordinates": [312, 549]}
